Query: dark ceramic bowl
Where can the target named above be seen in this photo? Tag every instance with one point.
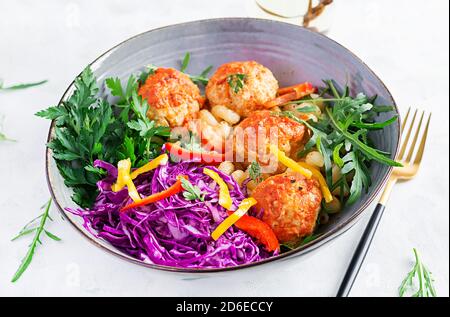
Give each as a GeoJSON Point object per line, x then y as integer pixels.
{"type": "Point", "coordinates": [293, 53]}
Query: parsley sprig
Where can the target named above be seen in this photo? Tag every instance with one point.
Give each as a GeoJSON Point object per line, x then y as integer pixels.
{"type": "Point", "coordinates": [36, 226]}
{"type": "Point", "coordinates": [423, 277]}
{"type": "Point", "coordinates": [236, 82]}
{"type": "Point", "coordinates": [88, 128]}
{"type": "Point", "coordinates": [254, 172]}
{"type": "Point", "coordinates": [191, 192]}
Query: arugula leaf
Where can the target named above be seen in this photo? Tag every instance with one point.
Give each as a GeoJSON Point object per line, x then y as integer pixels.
{"type": "Point", "coordinates": [367, 150]}
{"type": "Point", "coordinates": [424, 277]}
{"type": "Point", "coordinates": [191, 192]}
{"type": "Point", "coordinates": [336, 157]}
{"type": "Point", "coordinates": [36, 239]}
{"type": "Point", "coordinates": [185, 62]}
{"type": "Point", "coordinates": [202, 79]}
{"type": "Point", "coordinates": [345, 125]}
{"type": "Point", "coordinates": [206, 71]}
{"type": "Point", "coordinates": [236, 82]}
{"type": "Point", "coordinates": [307, 109]}
{"type": "Point", "coordinates": [22, 86]}
{"type": "Point", "coordinates": [3, 137]}
{"type": "Point", "coordinates": [361, 179]}
{"type": "Point", "coordinates": [375, 125]}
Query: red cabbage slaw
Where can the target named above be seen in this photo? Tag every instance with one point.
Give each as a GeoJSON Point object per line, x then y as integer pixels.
{"type": "Point", "coordinates": [173, 231]}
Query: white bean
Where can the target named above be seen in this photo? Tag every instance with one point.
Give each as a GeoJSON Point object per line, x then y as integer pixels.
{"type": "Point", "coordinates": [226, 167]}
{"type": "Point", "coordinates": [226, 114]}
{"type": "Point", "coordinates": [335, 173]}
{"type": "Point", "coordinates": [251, 185]}
{"type": "Point", "coordinates": [208, 118]}
{"type": "Point", "coordinates": [333, 206]}
{"type": "Point", "coordinates": [225, 128]}
{"type": "Point", "coordinates": [239, 176]}
{"type": "Point", "coordinates": [314, 158]}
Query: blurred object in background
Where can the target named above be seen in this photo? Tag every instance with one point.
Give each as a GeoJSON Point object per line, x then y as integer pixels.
{"type": "Point", "coordinates": [314, 14]}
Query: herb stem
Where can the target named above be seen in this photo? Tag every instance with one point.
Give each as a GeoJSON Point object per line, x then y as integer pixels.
{"type": "Point", "coordinates": [29, 256]}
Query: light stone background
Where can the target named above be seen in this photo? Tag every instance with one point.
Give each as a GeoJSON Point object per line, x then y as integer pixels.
{"type": "Point", "coordinates": [406, 44]}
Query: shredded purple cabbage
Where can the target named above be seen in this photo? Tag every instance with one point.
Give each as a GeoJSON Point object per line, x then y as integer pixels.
{"type": "Point", "coordinates": [173, 231]}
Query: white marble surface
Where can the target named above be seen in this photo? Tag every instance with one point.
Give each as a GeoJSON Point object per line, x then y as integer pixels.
{"type": "Point", "coordinates": [405, 42]}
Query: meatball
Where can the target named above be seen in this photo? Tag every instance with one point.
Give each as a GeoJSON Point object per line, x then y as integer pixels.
{"type": "Point", "coordinates": [173, 98]}
{"type": "Point", "coordinates": [289, 204]}
{"type": "Point", "coordinates": [259, 86]}
{"type": "Point", "coordinates": [252, 137]}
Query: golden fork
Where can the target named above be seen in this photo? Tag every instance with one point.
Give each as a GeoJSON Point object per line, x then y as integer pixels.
{"type": "Point", "coordinates": [411, 163]}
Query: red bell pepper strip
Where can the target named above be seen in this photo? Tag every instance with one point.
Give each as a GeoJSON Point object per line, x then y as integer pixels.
{"type": "Point", "coordinates": [299, 88]}
{"type": "Point", "coordinates": [258, 229]}
{"type": "Point", "coordinates": [200, 157]}
{"type": "Point", "coordinates": [291, 93]}
{"type": "Point", "coordinates": [172, 190]}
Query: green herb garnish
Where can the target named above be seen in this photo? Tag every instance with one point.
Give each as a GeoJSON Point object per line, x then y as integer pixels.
{"type": "Point", "coordinates": [3, 137]}
{"type": "Point", "coordinates": [254, 172]}
{"type": "Point", "coordinates": [37, 229]}
{"type": "Point", "coordinates": [341, 136]}
{"type": "Point", "coordinates": [21, 86]}
{"type": "Point", "coordinates": [199, 79]}
{"type": "Point", "coordinates": [185, 62]}
{"type": "Point", "coordinates": [88, 128]}
{"type": "Point", "coordinates": [423, 277]}
{"type": "Point", "coordinates": [191, 192]}
{"type": "Point", "coordinates": [202, 79]}
{"type": "Point", "coordinates": [236, 82]}
{"type": "Point", "coordinates": [308, 109]}
{"type": "Point", "coordinates": [300, 242]}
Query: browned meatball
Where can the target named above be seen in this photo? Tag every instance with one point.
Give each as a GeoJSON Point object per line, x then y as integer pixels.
{"type": "Point", "coordinates": [173, 98]}
{"type": "Point", "coordinates": [290, 204]}
{"type": "Point", "coordinates": [252, 137]}
{"type": "Point", "coordinates": [259, 87]}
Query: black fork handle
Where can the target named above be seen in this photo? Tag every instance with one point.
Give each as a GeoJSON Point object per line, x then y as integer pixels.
{"type": "Point", "coordinates": [361, 252]}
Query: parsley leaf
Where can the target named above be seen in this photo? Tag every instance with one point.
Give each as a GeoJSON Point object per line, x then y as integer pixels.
{"type": "Point", "coordinates": [88, 128]}
{"type": "Point", "coordinates": [191, 192]}
{"type": "Point", "coordinates": [254, 172]}
{"type": "Point", "coordinates": [236, 82]}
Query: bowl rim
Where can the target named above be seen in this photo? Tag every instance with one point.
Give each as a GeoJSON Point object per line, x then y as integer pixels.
{"type": "Point", "coordinates": [304, 249]}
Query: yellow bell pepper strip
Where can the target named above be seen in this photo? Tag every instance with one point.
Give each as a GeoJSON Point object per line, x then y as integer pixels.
{"type": "Point", "coordinates": [132, 191]}
{"type": "Point", "coordinates": [323, 183]}
{"type": "Point", "coordinates": [288, 162]}
{"type": "Point", "coordinates": [160, 160]}
{"type": "Point", "coordinates": [123, 169]}
{"type": "Point", "coordinates": [244, 206]}
{"type": "Point", "coordinates": [224, 194]}
{"type": "Point", "coordinates": [124, 179]}
{"type": "Point", "coordinates": [172, 190]}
